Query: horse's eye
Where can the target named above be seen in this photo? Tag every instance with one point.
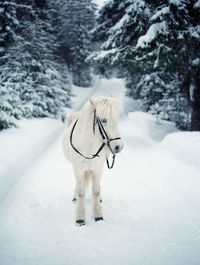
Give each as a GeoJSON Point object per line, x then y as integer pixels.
{"type": "Point", "coordinates": [104, 120]}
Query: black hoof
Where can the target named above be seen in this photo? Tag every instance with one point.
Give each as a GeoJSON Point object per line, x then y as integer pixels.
{"type": "Point", "coordinates": [80, 222]}
{"type": "Point", "coordinates": [98, 219]}
{"type": "Point", "coordinates": [101, 201]}
{"type": "Point", "coordinates": [74, 200]}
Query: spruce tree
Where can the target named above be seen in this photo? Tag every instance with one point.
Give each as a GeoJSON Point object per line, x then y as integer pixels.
{"type": "Point", "coordinates": [34, 81]}
{"type": "Point", "coordinates": [157, 42]}
{"type": "Point", "coordinates": [47, 89]}
{"type": "Point", "coordinates": [9, 95]}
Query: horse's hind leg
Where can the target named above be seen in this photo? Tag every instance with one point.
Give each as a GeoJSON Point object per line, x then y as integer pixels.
{"type": "Point", "coordinates": [97, 210]}
{"type": "Point", "coordinates": [80, 191]}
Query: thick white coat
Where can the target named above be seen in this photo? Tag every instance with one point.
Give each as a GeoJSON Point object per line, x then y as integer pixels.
{"type": "Point", "coordinates": [88, 143]}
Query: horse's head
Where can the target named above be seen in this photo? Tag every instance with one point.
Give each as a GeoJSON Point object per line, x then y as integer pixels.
{"type": "Point", "coordinates": [107, 113]}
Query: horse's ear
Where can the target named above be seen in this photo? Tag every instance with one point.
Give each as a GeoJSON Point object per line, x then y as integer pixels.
{"type": "Point", "coordinates": [92, 101]}
{"type": "Point", "coordinates": [110, 95]}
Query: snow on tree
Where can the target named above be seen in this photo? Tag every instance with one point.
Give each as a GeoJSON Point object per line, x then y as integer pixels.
{"type": "Point", "coordinates": [171, 44]}
{"type": "Point", "coordinates": [119, 24]}
{"type": "Point", "coordinates": [47, 85]}
{"type": "Point", "coordinates": [153, 38]}
{"type": "Point", "coordinates": [9, 96]}
{"type": "Point", "coordinates": [34, 81]}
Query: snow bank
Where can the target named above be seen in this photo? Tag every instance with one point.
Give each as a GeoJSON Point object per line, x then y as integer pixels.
{"type": "Point", "coordinates": [150, 203]}
{"type": "Point", "coordinates": [143, 129]}
{"type": "Point", "coordinates": [20, 147]}
{"type": "Point", "coordinates": [184, 145]}
{"type": "Point", "coordinates": [145, 126]}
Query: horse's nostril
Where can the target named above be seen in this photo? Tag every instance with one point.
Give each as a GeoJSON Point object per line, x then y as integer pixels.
{"type": "Point", "coordinates": [117, 148]}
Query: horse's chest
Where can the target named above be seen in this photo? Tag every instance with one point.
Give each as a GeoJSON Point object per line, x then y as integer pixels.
{"type": "Point", "coordinates": [91, 164]}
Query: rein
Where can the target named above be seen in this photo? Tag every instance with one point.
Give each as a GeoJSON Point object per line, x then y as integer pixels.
{"type": "Point", "coordinates": [105, 138]}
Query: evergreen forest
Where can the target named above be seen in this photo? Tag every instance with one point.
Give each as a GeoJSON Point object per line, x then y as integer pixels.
{"type": "Point", "coordinates": [46, 46]}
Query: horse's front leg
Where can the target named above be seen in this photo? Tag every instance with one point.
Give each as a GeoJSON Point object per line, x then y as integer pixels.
{"type": "Point", "coordinates": [97, 209]}
{"type": "Point", "coordinates": [75, 195]}
{"type": "Point", "coordinates": [80, 191]}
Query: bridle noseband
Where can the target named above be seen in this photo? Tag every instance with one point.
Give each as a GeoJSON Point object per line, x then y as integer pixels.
{"type": "Point", "coordinates": [105, 138]}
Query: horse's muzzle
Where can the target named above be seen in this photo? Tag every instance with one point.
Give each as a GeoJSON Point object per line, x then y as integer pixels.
{"type": "Point", "coordinates": [117, 146]}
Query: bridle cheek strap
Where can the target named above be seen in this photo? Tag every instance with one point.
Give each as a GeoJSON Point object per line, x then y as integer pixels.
{"type": "Point", "coordinates": [104, 135]}
{"type": "Point", "coordinates": [94, 121]}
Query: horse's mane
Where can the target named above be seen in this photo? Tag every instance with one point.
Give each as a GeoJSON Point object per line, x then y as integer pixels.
{"type": "Point", "coordinates": [105, 107]}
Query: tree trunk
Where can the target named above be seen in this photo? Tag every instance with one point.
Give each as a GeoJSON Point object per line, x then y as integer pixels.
{"type": "Point", "coordinates": [195, 100]}
{"type": "Point", "coordinates": [195, 118]}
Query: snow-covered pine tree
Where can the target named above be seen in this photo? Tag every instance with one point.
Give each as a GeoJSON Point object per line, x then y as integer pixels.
{"type": "Point", "coordinates": [75, 19]}
{"type": "Point", "coordinates": [155, 38]}
{"type": "Point", "coordinates": [170, 46]}
{"type": "Point", "coordinates": [119, 25]}
{"type": "Point", "coordinates": [34, 81]}
{"type": "Point", "coordinates": [9, 95]}
{"type": "Point", "coordinates": [46, 90]}
{"type": "Point", "coordinates": [193, 49]}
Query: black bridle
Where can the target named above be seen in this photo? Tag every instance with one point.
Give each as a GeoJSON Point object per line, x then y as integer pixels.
{"type": "Point", "coordinates": [105, 138]}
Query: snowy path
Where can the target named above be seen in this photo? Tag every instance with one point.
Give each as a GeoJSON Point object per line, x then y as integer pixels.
{"type": "Point", "coordinates": [150, 204]}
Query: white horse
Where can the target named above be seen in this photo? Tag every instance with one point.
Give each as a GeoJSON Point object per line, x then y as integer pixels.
{"type": "Point", "coordinates": [90, 137]}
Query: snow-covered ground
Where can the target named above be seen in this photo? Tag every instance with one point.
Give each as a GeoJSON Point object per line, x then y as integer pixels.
{"type": "Point", "coordinates": [20, 147]}
{"type": "Point", "coordinates": [150, 199]}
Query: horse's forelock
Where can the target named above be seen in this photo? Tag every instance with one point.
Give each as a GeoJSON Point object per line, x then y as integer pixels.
{"type": "Point", "coordinates": [107, 107]}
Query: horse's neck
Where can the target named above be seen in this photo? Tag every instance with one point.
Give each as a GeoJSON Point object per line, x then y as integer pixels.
{"type": "Point", "coordinates": [88, 139]}
{"type": "Point", "coordinates": [85, 124]}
